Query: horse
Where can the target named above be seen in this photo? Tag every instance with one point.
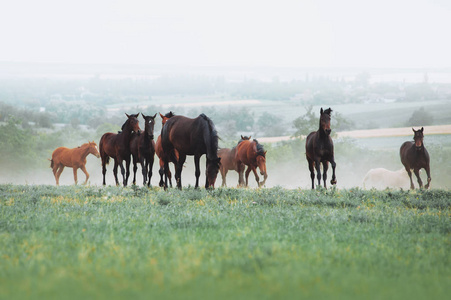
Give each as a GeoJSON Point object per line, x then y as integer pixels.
{"type": "Point", "coordinates": [142, 147]}
{"type": "Point", "coordinates": [251, 154]}
{"type": "Point", "coordinates": [117, 146]}
{"type": "Point", "coordinates": [228, 162]}
{"type": "Point", "coordinates": [73, 158]}
{"type": "Point", "coordinates": [196, 137]}
{"type": "Point", "coordinates": [319, 149]}
{"type": "Point", "coordinates": [160, 153]}
{"type": "Point", "coordinates": [381, 178]}
{"type": "Point", "coordinates": [415, 156]}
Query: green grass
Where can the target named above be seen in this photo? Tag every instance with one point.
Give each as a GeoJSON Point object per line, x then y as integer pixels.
{"type": "Point", "coordinates": [111, 242]}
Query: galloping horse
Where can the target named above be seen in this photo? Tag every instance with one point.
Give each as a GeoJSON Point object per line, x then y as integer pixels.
{"type": "Point", "coordinates": [415, 156]}
{"type": "Point", "coordinates": [191, 137]}
{"type": "Point", "coordinates": [228, 162]}
{"type": "Point", "coordinates": [319, 148]}
{"type": "Point", "coordinates": [117, 146]}
{"type": "Point", "coordinates": [73, 158]}
{"type": "Point", "coordinates": [160, 152]}
{"type": "Point", "coordinates": [251, 154]}
{"type": "Point", "coordinates": [142, 147]}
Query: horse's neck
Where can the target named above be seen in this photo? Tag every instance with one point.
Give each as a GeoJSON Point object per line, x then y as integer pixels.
{"type": "Point", "coordinates": [83, 151]}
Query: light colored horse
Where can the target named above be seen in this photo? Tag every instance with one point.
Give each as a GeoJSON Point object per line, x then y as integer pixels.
{"type": "Point", "coordinates": [381, 179]}
{"type": "Point", "coordinates": [73, 158]}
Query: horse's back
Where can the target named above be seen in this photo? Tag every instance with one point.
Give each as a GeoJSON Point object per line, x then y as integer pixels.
{"type": "Point", "coordinates": [107, 144]}
{"type": "Point", "coordinates": [227, 158]}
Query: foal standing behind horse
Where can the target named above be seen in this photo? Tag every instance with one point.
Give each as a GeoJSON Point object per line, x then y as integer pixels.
{"type": "Point", "coordinates": [415, 156]}
{"type": "Point", "coordinates": [319, 148]}
{"type": "Point", "coordinates": [160, 153]}
{"type": "Point", "coordinates": [191, 137]}
{"type": "Point", "coordinates": [142, 147]}
{"type": "Point", "coordinates": [73, 158]}
{"type": "Point", "coordinates": [251, 154]}
{"type": "Point", "coordinates": [117, 146]}
{"type": "Point", "coordinates": [228, 161]}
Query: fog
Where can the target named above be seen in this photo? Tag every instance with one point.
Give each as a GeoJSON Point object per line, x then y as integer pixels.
{"type": "Point", "coordinates": [290, 33]}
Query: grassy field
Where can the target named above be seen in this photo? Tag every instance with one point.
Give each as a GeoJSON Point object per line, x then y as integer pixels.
{"type": "Point", "coordinates": [112, 242]}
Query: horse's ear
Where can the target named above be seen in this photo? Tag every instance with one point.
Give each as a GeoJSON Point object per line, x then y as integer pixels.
{"type": "Point", "coordinates": [143, 115]}
{"type": "Point", "coordinates": [250, 137]}
{"type": "Point", "coordinates": [154, 116]}
{"type": "Point", "coordinates": [422, 129]}
{"type": "Point", "coordinates": [127, 115]}
{"type": "Point", "coordinates": [242, 137]}
{"type": "Point", "coordinates": [413, 129]}
{"type": "Point", "coordinates": [321, 111]}
{"type": "Point", "coordinates": [161, 116]}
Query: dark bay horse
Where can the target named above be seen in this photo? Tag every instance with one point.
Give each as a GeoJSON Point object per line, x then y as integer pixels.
{"type": "Point", "coordinates": [415, 156]}
{"type": "Point", "coordinates": [319, 149]}
{"type": "Point", "coordinates": [117, 146]}
{"type": "Point", "coordinates": [160, 153]}
{"type": "Point", "coordinates": [228, 161]}
{"type": "Point", "coordinates": [142, 147]}
{"type": "Point", "coordinates": [251, 154]}
{"type": "Point", "coordinates": [191, 137]}
{"type": "Point", "coordinates": [73, 158]}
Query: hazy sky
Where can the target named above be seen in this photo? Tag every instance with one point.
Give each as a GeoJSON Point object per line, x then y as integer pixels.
{"type": "Point", "coordinates": [302, 33]}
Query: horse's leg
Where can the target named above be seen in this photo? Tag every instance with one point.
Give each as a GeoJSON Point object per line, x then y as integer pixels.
{"type": "Point", "coordinates": [75, 169]}
{"type": "Point", "coordinates": [83, 168]}
{"type": "Point", "coordinates": [143, 163]}
{"type": "Point", "coordinates": [410, 176]}
{"type": "Point", "coordinates": [135, 168]}
{"type": "Point", "coordinates": [165, 173]}
{"type": "Point", "coordinates": [334, 179]}
{"type": "Point", "coordinates": [417, 174]}
{"type": "Point", "coordinates": [312, 171]}
{"type": "Point", "coordinates": [170, 174]}
{"type": "Point", "coordinates": [256, 176]}
{"type": "Point", "coordinates": [149, 167]}
{"type": "Point", "coordinates": [318, 171]}
{"type": "Point", "coordinates": [197, 170]}
{"type": "Point", "coordinates": [127, 170]}
{"type": "Point", "coordinates": [224, 176]}
{"type": "Point", "coordinates": [240, 169]}
{"type": "Point", "coordinates": [248, 171]}
{"type": "Point", "coordinates": [103, 171]}
{"type": "Point", "coordinates": [115, 171]}
{"type": "Point", "coordinates": [325, 168]}
{"type": "Point", "coordinates": [58, 174]}
{"type": "Point", "coordinates": [428, 172]}
{"type": "Point", "coordinates": [178, 171]}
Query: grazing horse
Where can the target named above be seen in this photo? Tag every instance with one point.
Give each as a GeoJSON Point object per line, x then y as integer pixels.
{"type": "Point", "coordinates": [251, 154]}
{"type": "Point", "coordinates": [117, 146]}
{"type": "Point", "coordinates": [160, 153]}
{"type": "Point", "coordinates": [319, 148]}
{"type": "Point", "coordinates": [73, 158]}
{"type": "Point", "coordinates": [191, 137]}
{"type": "Point", "coordinates": [228, 162]}
{"type": "Point", "coordinates": [142, 147]}
{"type": "Point", "coordinates": [415, 156]}
{"type": "Point", "coordinates": [381, 178]}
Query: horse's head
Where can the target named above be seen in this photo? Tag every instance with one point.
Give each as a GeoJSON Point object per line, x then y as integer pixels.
{"type": "Point", "coordinates": [324, 121]}
{"type": "Point", "coordinates": [149, 124]}
{"type": "Point", "coordinates": [93, 149]}
{"type": "Point", "coordinates": [261, 163]}
{"type": "Point", "coordinates": [244, 138]}
{"type": "Point", "coordinates": [166, 117]}
{"type": "Point", "coordinates": [132, 123]}
{"type": "Point", "coordinates": [418, 138]}
{"type": "Point", "coordinates": [212, 171]}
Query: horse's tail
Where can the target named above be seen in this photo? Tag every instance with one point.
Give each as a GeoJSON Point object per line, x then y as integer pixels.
{"type": "Point", "coordinates": [51, 163]}
{"type": "Point", "coordinates": [103, 155]}
{"type": "Point", "coordinates": [211, 138]}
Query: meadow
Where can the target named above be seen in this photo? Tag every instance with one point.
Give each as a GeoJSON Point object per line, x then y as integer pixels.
{"type": "Point", "coordinates": [108, 242]}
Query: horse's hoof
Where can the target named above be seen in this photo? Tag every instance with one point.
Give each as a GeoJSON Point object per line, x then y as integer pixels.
{"type": "Point", "coordinates": [333, 181]}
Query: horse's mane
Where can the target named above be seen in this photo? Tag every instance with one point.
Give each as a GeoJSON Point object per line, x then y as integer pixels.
{"type": "Point", "coordinates": [260, 150]}
{"type": "Point", "coordinates": [213, 136]}
{"type": "Point", "coordinates": [169, 115]}
{"type": "Point", "coordinates": [328, 111]}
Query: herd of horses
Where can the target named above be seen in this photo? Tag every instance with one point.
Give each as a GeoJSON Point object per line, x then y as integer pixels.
{"type": "Point", "coordinates": [182, 136]}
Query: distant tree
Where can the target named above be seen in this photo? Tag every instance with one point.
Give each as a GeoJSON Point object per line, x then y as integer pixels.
{"type": "Point", "coordinates": [420, 117]}
{"type": "Point", "coordinates": [270, 124]}
{"type": "Point", "coordinates": [306, 123]}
